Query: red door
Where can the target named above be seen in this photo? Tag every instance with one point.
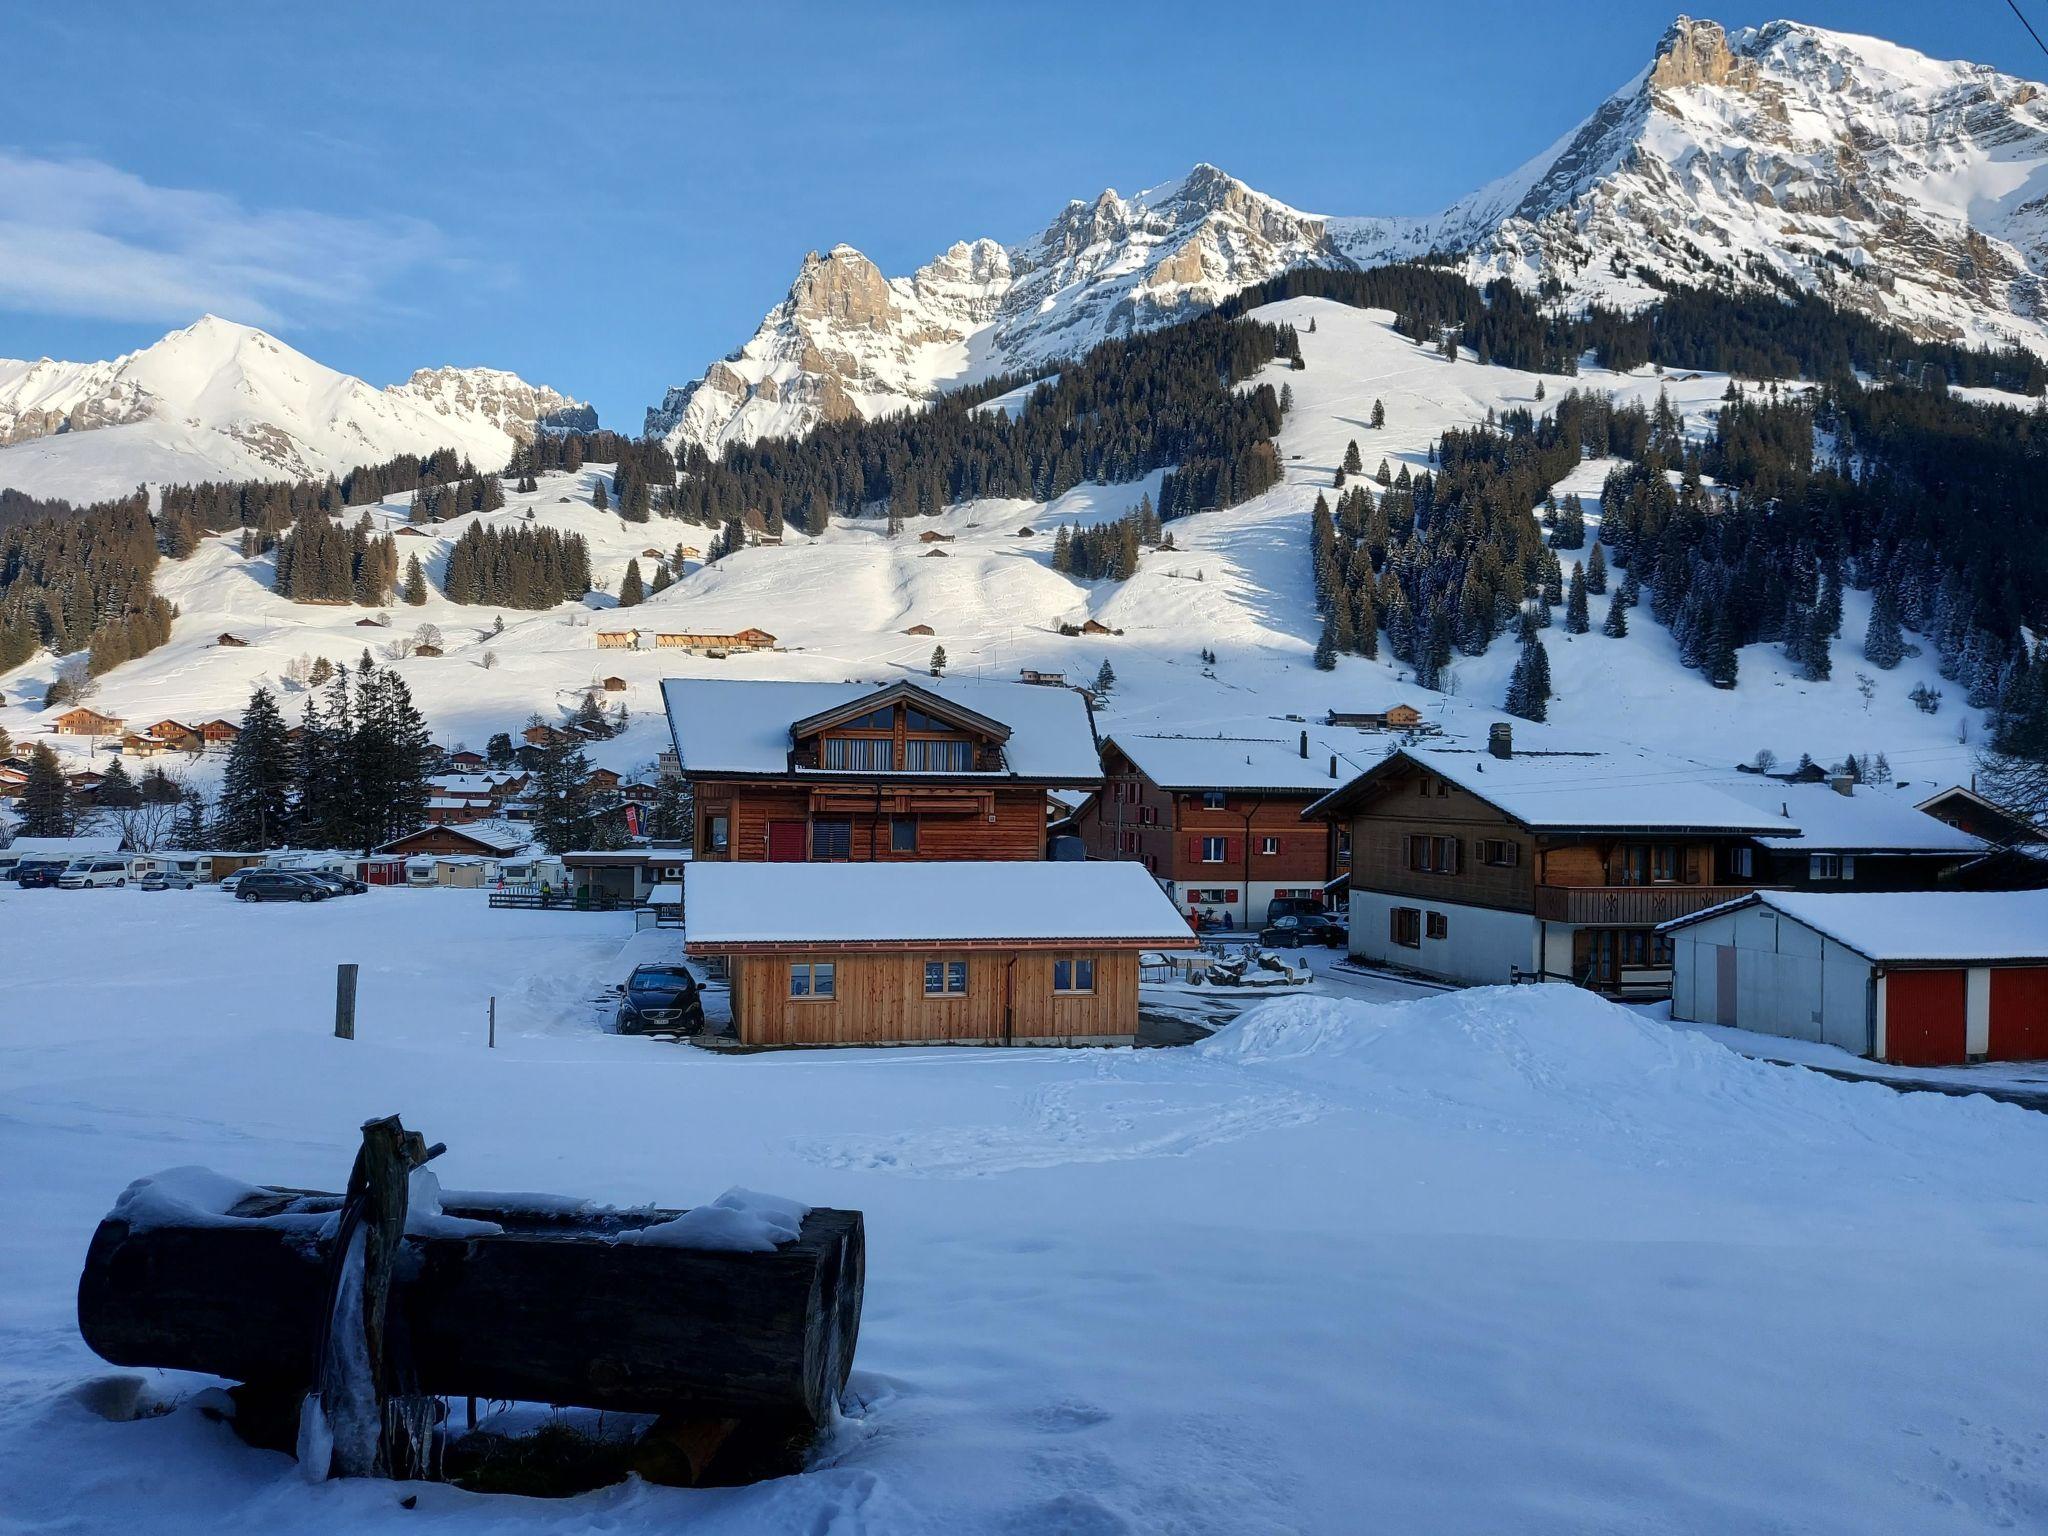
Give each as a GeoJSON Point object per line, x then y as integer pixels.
{"type": "Point", "coordinates": [786, 842]}
{"type": "Point", "coordinates": [2019, 1013]}
{"type": "Point", "coordinates": [1924, 1018]}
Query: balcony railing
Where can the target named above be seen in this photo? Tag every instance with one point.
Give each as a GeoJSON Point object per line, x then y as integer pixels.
{"type": "Point", "coordinates": [1629, 906]}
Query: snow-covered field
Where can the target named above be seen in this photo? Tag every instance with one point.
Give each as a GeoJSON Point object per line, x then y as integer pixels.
{"type": "Point", "coordinates": [1237, 583]}
{"type": "Point", "coordinates": [1493, 1261]}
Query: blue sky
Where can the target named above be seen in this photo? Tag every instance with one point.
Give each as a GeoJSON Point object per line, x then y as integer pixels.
{"type": "Point", "coordinates": [605, 196]}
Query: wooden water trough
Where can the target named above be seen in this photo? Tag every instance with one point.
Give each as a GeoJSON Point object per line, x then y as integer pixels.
{"type": "Point", "coordinates": [565, 1302]}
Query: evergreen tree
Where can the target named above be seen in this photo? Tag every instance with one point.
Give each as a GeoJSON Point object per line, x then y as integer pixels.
{"type": "Point", "coordinates": [1353, 463]}
{"type": "Point", "coordinates": [1596, 571]}
{"type": "Point", "coordinates": [117, 791]}
{"type": "Point", "coordinates": [558, 793]}
{"type": "Point", "coordinates": [938, 661]}
{"type": "Point", "coordinates": [598, 498]}
{"type": "Point", "coordinates": [415, 582]}
{"type": "Point", "coordinates": [1105, 680]}
{"type": "Point", "coordinates": [255, 794]}
{"type": "Point", "coordinates": [1576, 619]}
{"type": "Point", "coordinates": [1326, 647]}
{"type": "Point", "coordinates": [1529, 684]}
{"type": "Point", "coordinates": [630, 590]}
{"type": "Point", "coordinates": [46, 809]}
{"type": "Point", "coordinates": [1883, 645]}
{"type": "Point", "coordinates": [1379, 414]}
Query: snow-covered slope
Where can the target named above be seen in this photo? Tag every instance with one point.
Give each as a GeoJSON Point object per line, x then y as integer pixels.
{"type": "Point", "coordinates": [224, 401]}
{"type": "Point", "coordinates": [1237, 583]}
{"type": "Point", "coordinates": [1895, 184]}
{"type": "Point", "coordinates": [1902, 186]}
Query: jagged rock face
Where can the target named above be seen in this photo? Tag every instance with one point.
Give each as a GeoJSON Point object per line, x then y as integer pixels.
{"type": "Point", "coordinates": [1910, 189]}
{"type": "Point", "coordinates": [849, 342]}
{"type": "Point", "coordinates": [506, 401]}
{"type": "Point", "coordinates": [1891, 183]}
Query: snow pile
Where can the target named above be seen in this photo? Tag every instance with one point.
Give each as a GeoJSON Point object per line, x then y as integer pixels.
{"type": "Point", "coordinates": [424, 1216]}
{"type": "Point", "coordinates": [182, 1197]}
{"type": "Point", "coordinates": [738, 1221]}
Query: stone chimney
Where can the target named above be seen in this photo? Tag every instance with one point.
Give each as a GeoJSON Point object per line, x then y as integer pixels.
{"type": "Point", "coordinates": [1500, 740]}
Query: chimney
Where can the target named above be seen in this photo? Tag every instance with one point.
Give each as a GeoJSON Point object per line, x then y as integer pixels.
{"type": "Point", "coordinates": [1842, 783]}
{"type": "Point", "coordinates": [1304, 745]}
{"type": "Point", "coordinates": [1500, 740]}
{"type": "Point", "coordinates": [1333, 765]}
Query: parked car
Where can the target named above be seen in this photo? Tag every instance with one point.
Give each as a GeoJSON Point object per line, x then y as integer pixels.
{"type": "Point", "coordinates": [340, 885]}
{"type": "Point", "coordinates": [660, 999]}
{"type": "Point", "coordinates": [38, 874]}
{"type": "Point", "coordinates": [167, 880]}
{"type": "Point", "coordinates": [1294, 906]}
{"type": "Point", "coordinates": [92, 873]}
{"type": "Point", "coordinates": [1295, 931]}
{"type": "Point", "coordinates": [232, 881]}
{"type": "Point", "coordinates": [280, 885]}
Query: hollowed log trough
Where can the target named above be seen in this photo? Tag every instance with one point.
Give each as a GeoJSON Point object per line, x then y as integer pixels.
{"type": "Point", "coordinates": [552, 1309]}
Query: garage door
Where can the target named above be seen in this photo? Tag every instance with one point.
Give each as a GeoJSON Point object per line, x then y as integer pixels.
{"type": "Point", "coordinates": [1924, 1014]}
{"type": "Point", "coordinates": [2019, 1013]}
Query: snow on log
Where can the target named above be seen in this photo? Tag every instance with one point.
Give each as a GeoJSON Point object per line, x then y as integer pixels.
{"type": "Point", "coordinates": [750, 1311]}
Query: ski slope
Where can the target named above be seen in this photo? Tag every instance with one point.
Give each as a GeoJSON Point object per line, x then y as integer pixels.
{"type": "Point", "coordinates": [1237, 583]}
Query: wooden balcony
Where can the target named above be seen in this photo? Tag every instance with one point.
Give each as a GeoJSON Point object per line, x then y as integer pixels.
{"type": "Point", "coordinates": [1629, 906]}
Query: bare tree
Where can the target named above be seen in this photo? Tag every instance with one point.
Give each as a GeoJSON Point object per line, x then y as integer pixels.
{"type": "Point", "coordinates": [297, 671]}
{"type": "Point", "coordinates": [400, 648]}
{"type": "Point", "coordinates": [427, 634]}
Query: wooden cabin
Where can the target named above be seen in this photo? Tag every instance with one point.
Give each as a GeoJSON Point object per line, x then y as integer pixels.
{"type": "Point", "coordinates": [614, 685]}
{"type": "Point", "coordinates": [1395, 717]}
{"type": "Point", "coordinates": [716, 645]}
{"type": "Point", "coordinates": [86, 722]}
{"type": "Point", "coordinates": [1041, 679]}
{"type": "Point", "coordinates": [178, 735]}
{"type": "Point", "coordinates": [1217, 820]}
{"type": "Point", "coordinates": [964, 953]}
{"type": "Point", "coordinates": [232, 642]}
{"type": "Point", "coordinates": [933, 536]}
{"type": "Point", "coordinates": [618, 639]}
{"type": "Point", "coordinates": [407, 531]}
{"type": "Point", "coordinates": [920, 629]}
{"type": "Point", "coordinates": [427, 650]}
{"type": "Point", "coordinates": [482, 839]}
{"type": "Point", "coordinates": [219, 732]}
{"type": "Point", "coordinates": [893, 772]}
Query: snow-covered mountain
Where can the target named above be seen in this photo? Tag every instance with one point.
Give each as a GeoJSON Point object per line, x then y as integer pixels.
{"type": "Point", "coordinates": [1893, 183]}
{"type": "Point", "coordinates": [224, 401]}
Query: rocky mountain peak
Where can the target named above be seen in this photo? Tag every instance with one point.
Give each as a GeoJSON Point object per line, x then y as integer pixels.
{"type": "Point", "coordinates": [1697, 53]}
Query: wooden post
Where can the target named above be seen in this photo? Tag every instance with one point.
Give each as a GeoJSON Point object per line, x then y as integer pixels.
{"type": "Point", "coordinates": [345, 1001]}
{"type": "Point", "coordinates": [494, 1024]}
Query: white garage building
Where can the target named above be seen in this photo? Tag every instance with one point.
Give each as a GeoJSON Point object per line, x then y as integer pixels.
{"type": "Point", "coordinates": [1923, 978]}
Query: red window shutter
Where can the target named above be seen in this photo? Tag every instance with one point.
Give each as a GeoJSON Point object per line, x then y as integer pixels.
{"type": "Point", "coordinates": [1195, 849]}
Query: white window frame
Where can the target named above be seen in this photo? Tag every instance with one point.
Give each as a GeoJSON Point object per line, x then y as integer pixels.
{"type": "Point", "coordinates": [1222, 847]}
{"type": "Point", "coordinates": [1269, 846]}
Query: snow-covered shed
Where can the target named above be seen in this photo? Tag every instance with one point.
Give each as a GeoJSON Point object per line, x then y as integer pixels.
{"type": "Point", "coordinates": [1924, 978]}
{"type": "Point", "coordinates": [969, 952]}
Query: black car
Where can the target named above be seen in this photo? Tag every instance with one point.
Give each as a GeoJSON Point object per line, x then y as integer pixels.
{"type": "Point", "coordinates": [281, 885]}
{"type": "Point", "coordinates": [661, 999]}
{"type": "Point", "coordinates": [32, 875]}
{"type": "Point", "coordinates": [1293, 932]}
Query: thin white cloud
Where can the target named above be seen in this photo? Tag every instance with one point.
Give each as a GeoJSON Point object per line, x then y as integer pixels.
{"type": "Point", "coordinates": [81, 237]}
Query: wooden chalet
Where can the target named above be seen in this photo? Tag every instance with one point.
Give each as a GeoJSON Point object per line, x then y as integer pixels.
{"type": "Point", "coordinates": [618, 639]}
{"type": "Point", "coordinates": [1970, 812]}
{"type": "Point", "coordinates": [466, 761]}
{"type": "Point", "coordinates": [1217, 820]}
{"type": "Point", "coordinates": [427, 650]}
{"type": "Point", "coordinates": [968, 953]}
{"type": "Point", "coordinates": [178, 735]}
{"type": "Point", "coordinates": [485, 839]}
{"type": "Point", "coordinates": [900, 771]}
{"type": "Point", "coordinates": [80, 721]}
{"type": "Point", "coordinates": [1491, 864]}
{"type": "Point", "coordinates": [407, 531]}
{"type": "Point", "coordinates": [1395, 717]}
{"type": "Point", "coordinates": [220, 733]}
{"type": "Point", "coordinates": [540, 735]}
{"type": "Point", "coordinates": [716, 645]}
{"type": "Point", "coordinates": [933, 536]}
{"type": "Point", "coordinates": [1041, 679]}
{"type": "Point", "coordinates": [231, 642]}
{"type": "Point", "coordinates": [614, 685]}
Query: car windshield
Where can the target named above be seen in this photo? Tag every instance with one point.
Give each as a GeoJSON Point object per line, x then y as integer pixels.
{"type": "Point", "coordinates": [661, 979]}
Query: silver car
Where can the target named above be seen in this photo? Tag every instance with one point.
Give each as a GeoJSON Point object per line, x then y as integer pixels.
{"type": "Point", "coordinates": [167, 880]}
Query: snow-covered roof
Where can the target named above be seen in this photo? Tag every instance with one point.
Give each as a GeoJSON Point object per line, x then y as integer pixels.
{"type": "Point", "coordinates": [1616, 789]}
{"type": "Point", "coordinates": [462, 783]}
{"type": "Point", "coordinates": [667, 894]}
{"type": "Point", "coordinates": [731, 726]}
{"type": "Point", "coordinates": [1818, 818]}
{"type": "Point", "coordinates": [1102, 902]}
{"type": "Point", "coordinates": [500, 836]}
{"type": "Point", "coordinates": [1267, 764]}
{"type": "Point", "coordinates": [1894, 927]}
{"type": "Point", "coordinates": [61, 847]}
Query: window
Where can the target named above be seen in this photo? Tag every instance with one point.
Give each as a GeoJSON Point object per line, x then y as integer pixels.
{"type": "Point", "coordinates": [1269, 845]}
{"type": "Point", "coordinates": [1432, 855]}
{"type": "Point", "coordinates": [860, 754]}
{"type": "Point", "coordinates": [903, 834]}
{"type": "Point", "coordinates": [1437, 926]}
{"type": "Point", "coordinates": [918, 720]}
{"type": "Point", "coordinates": [811, 980]}
{"type": "Point", "coordinates": [1443, 788]}
{"type": "Point", "coordinates": [1422, 785]}
{"type": "Point", "coordinates": [1664, 863]}
{"type": "Point", "coordinates": [720, 831]}
{"type": "Point", "coordinates": [1213, 800]}
{"type": "Point", "coordinates": [1213, 850]}
{"type": "Point", "coordinates": [1499, 852]}
{"type": "Point", "coordinates": [1830, 866]}
{"type": "Point", "coordinates": [938, 756]}
{"type": "Point", "coordinates": [1075, 974]}
{"type": "Point", "coordinates": [1404, 926]}
{"type": "Point", "coordinates": [1740, 863]}
{"type": "Point", "coordinates": [831, 839]}
{"type": "Point", "coordinates": [1650, 864]}
{"type": "Point", "coordinates": [945, 978]}
{"type": "Point", "coordinates": [1642, 947]}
